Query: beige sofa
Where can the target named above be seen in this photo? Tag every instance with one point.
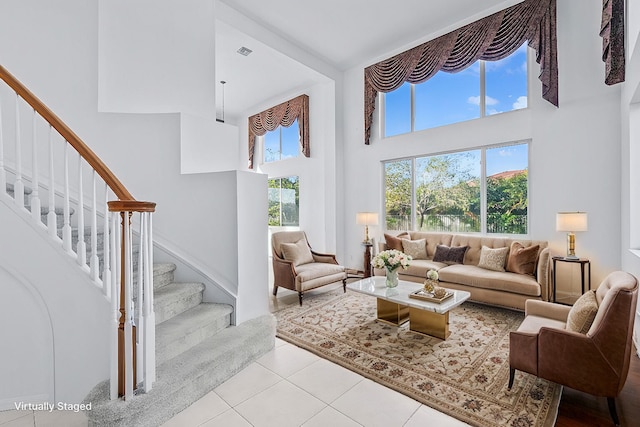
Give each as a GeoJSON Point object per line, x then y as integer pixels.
{"type": "Point", "coordinates": [504, 288]}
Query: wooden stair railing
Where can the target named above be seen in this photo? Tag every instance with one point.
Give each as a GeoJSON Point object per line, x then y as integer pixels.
{"type": "Point", "coordinates": [132, 339]}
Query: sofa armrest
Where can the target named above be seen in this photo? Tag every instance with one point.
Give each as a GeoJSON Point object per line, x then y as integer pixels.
{"type": "Point", "coordinates": [543, 274]}
{"type": "Point", "coordinates": [547, 309]}
{"type": "Point", "coordinates": [284, 273]}
{"type": "Point", "coordinates": [326, 258]}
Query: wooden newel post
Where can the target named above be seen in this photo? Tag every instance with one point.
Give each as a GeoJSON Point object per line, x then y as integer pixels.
{"type": "Point", "coordinates": [126, 208]}
{"type": "Point", "coordinates": [122, 376]}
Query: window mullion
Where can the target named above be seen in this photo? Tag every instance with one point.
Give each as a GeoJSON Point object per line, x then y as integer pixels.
{"type": "Point", "coordinates": [483, 90]}
{"type": "Point", "coordinates": [413, 194]}
{"type": "Point", "coordinates": [413, 107]}
{"type": "Point", "coordinates": [483, 191]}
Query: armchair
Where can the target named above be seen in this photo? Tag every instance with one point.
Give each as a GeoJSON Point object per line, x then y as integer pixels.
{"type": "Point", "coordinates": [595, 362]}
{"type": "Point", "coordinates": [297, 267]}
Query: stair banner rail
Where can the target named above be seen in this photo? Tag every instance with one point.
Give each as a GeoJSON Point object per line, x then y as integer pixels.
{"type": "Point", "coordinates": [84, 207]}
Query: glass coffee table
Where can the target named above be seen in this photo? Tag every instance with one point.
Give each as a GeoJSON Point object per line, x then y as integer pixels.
{"type": "Point", "coordinates": [396, 306]}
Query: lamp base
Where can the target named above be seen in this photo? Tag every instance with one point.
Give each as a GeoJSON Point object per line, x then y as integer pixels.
{"type": "Point", "coordinates": [571, 257]}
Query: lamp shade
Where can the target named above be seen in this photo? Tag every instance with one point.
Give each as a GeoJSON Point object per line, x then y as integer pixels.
{"type": "Point", "coordinates": [367, 218]}
{"type": "Point", "coordinates": [571, 221]}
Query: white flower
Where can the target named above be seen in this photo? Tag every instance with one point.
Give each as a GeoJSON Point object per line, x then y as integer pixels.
{"type": "Point", "coordinates": [432, 275]}
{"type": "Point", "coordinates": [391, 259]}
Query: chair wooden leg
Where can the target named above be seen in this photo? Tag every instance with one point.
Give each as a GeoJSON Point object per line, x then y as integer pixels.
{"type": "Point", "coordinates": [344, 285]}
{"type": "Point", "coordinates": [275, 290]}
{"type": "Point", "coordinates": [512, 375]}
{"type": "Point", "coordinates": [611, 401]}
{"type": "Point", "coordinates": [300, 298]}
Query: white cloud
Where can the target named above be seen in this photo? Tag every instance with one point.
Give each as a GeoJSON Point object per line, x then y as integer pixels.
{"type": "Point", "coordinates": [492, 111]}
{"type": "Point", "coordinates": [475, 100]}
{"type": "Point", "coordinates": [521, 102]}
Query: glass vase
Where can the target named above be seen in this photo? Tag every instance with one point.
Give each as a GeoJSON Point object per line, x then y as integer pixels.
{"type": "Point", "coordinates": [392, 278]}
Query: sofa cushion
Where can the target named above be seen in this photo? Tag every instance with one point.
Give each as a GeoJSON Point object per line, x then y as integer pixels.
{"type": "Point", "coordinates": [419, 267]}
{"type": "Point", "coordinates": [472, 275]}
{"type": "Point", "coordinates": [314, 270]}
{"type": "Point", "coordinates": [583, 313]}
{"type": "Point", "coordinates": [450, 255]}
{"type": "Point", "coordinates": [493, 259]}
{"type": "Point", "coordinates": [417, 249]}
{"type": "Point", "coordinates": [522, 260]}
{"type": "Point", "coordinates": [298, 252]}
{"type": "Point", "coordinates": [433, 240]}
{"type": "Point", "coordinates": [476, 243]}
{"type": "Point", "coordinates": [394, 242]}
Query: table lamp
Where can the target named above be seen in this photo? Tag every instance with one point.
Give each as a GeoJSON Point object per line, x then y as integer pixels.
{"type": "Point", "coordinates": [367, 219]}
{"type": "Point", "coordinates": [571, 222]}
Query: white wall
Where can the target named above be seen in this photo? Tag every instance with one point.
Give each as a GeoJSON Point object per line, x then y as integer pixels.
{"type": "Point", "coordinates": [574, 152]}
{"type": "Point", "coordinates": [55, 321]}
{"type": "Point", "coordinates": [147, 52]}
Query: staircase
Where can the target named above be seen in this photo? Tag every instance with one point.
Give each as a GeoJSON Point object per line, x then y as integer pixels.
{"type": "Point", "coordinates": [196, 350]}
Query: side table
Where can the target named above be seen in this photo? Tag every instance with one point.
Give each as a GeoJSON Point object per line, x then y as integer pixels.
{"type": "Point", "coordinates": [582, 261]}
{"type": "Point", "coordinates": [367, 258]}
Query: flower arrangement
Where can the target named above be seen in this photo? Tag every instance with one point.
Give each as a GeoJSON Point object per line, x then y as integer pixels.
{"type": "Point", "coordinates": [391, 259]}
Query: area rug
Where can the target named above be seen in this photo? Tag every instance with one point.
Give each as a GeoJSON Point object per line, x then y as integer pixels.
{"type": "Point", "coordinates": [465, 376]}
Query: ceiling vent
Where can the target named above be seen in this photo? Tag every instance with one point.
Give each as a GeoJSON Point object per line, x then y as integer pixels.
{"type": "Point", "coordinates": [244, 51]}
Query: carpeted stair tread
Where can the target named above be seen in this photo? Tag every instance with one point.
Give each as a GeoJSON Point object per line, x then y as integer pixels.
{"type": "Point", "coordinates": [163, 274]}
{"type": "Point", "coordinates": [175, 298]}
{"type": "Point", "coordinates": [190, 328]}
{"type": "Point", "coordinates": [183, 380]}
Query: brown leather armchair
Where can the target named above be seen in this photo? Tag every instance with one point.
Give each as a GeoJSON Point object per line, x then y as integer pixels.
{"type": "Point", "coordinates": [297, 267]}
{"type": "Point", "coordinates": [596, 362]}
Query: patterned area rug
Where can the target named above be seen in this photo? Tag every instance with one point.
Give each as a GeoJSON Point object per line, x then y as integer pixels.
{"type": "Point", "coordinates": [465, 376]}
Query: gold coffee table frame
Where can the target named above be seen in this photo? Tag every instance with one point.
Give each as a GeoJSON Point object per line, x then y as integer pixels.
{"type": "Point", "coordinates": [395, 307]}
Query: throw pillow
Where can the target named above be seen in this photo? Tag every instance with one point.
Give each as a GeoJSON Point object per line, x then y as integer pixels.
{"type": "Point", "coordinates": [298, 252]}
{"type": "Point", "coordinates": [453, 255]}
{"type": "Point", "coordinates": [416, 248]}
{"type": "Point", "coordinates": [394, 242]}
{"type": "Point", "coordinates": [493, 259]}
{"type": "Point", "coordinates": [522, 260]}
{"type": "Point", "coordinates": [583, 313]}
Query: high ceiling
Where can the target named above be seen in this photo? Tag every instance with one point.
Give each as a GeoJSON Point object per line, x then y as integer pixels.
{"type": "Point", "coordinates": [341, 33]}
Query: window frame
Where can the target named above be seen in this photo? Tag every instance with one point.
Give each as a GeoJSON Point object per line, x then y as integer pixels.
{"type": "Point", "coordinates": [482, 106]}
{"type": "Point", "coordinates": [280, 188]}
{"type": "Point", "coordinates": [483, 186]}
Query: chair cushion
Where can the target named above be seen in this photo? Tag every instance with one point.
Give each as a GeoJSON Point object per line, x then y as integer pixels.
{"type": "Point", "coordinates": [583, 313]}
{"type": "Point", "coordinates": [522, 260]}
{"type": "Point", "coordinates": [450, 255]}
{"type": "Point", "coordinates": [417, 249]}
{"type": "Point", "coordinates": [298, 252]}
{"type": "Point", "coordinates": [493, 259]}
{"type": "Point", "coordinates": [315, 270]}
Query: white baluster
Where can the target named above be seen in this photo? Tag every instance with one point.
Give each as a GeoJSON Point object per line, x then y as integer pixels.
{"type": "Point", "coordinates": [18, 189]}
{"type": "Point", "coordinates": [66, 228]}
{"type": "Point", "coordinates": [35, 183]}
{"type": "Point", "coordinates": [81, 247]}
{"type": "Point", "coordinates": [140, 322]}
{"type": "Point", "coordinates": [128, 324]}
{"type": "Point", "coordinates": [3, 173]}
{"type": "Point", "coordinates": [149, 316]}
{"type": "Point", "coordinates": [114, 284]}
{"type": "Point", "coordinates": [94, 262]}
{"type": "Point", "coordinates": [106, 250]}
{"type": "Point", "coordinates": [52, 219]}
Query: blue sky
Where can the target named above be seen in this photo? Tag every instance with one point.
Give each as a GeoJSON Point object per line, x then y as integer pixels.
{"type": "Point", "coordinates": [448, 98]}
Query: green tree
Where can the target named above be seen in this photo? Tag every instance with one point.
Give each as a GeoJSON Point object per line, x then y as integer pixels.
{"type": "Point", "coordinates": [507, 203]}
{"type": "Point", "coordinates": [398, 193]}
{"type": "Point", "coordinates": [284, 201]}
{"type": "Point", "coordinates": [445, 186]}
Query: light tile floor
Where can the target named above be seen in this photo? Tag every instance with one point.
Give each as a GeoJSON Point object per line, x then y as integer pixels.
{"type": "Point", "coordinates": [288, 386]}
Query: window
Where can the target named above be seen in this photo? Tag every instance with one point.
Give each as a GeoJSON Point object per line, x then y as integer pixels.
{"type": "Point", "coordinates": [282, 143]}
{"type": "Point", "coordinates": [284, 201]}
{"type": "Point", "coordinates": [452, 192]}
{"type": "Point", "coordinates": [485, 88]}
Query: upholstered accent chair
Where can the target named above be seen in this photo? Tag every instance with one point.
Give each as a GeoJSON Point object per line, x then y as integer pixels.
{"type": "Point", "coordinates": [297, 267]}
{"type": "Point", "coordinates": [587, 349]}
